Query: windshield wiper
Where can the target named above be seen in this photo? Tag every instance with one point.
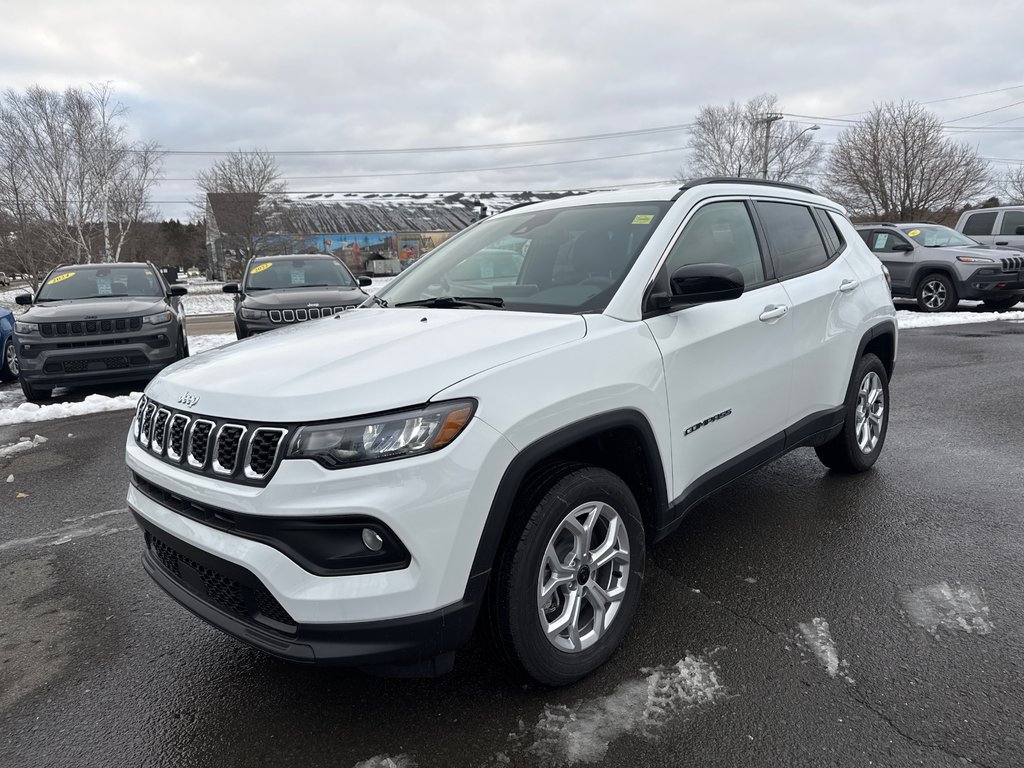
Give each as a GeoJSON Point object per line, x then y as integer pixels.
{"type": "Point", "coordinates": [441, 302]}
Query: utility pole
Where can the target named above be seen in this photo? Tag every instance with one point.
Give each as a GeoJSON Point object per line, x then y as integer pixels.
{"type": "Point", "coordinates": [768, 119]}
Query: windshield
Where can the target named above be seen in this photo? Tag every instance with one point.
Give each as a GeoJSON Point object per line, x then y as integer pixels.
{"type": "Point", "coordinates": [937, 236]}
{"type": "Point", "coordinates": [566, 260]}
{"type": "Point", "coordinates": [92, 282]}
{"type": "Point", "coordinates": [270, 273]}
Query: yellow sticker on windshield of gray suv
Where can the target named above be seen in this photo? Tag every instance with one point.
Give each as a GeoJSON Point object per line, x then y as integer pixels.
{"type": "Point", "coordinates": [58, 278]}
{"type": "Point", "coordinates": [260, 268]}
{"type": "Point", "coordinates": [643, 218]}
{"type": "Point", "coordinates": [914, 232]}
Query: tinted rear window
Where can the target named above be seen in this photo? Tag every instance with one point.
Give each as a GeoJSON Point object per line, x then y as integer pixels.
{"type": "Point", "coordinates": [796, 243]}
{"type": "Point", "coordinates": [980, 223]}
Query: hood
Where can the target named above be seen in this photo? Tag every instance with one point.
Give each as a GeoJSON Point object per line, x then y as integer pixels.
{"type": "Point", "coordinates": [977, 250]}
{"type": "Point", "coordinates": [99, 309]}
{"type": "Point", "coordinates": [301, 298]}
{"type": "Point", "coordinates": [359, 362]}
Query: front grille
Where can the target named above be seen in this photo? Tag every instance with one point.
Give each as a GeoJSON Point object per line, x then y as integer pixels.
{"type": "Point", "coordinates": [87, 327]}
{"type": "Point", "coordinates": [249, 602]}
{"type": "Point", "coordinates": [1013, 263]}
{"type": "Point", "coordinates": [238, 452]}
{"type": "Point", "coordinates": [298, 315]}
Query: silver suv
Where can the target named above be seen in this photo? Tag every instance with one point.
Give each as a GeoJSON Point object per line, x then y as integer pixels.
{"type": "Point", "coordinates": [938, 266]}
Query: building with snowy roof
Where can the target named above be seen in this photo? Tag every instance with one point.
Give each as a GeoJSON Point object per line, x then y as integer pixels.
{"type": "Point", "coordinates": [358, 227]}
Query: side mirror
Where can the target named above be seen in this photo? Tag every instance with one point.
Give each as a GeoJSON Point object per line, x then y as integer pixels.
{"type": "Point", "coordinates": [23, 298]}
{"type": "Point", "coordinates": [364, 281]}
{"type": "Point", "coordinates": [231, 288]}
{"type": "Point", "coordinates": [1019, 231]}
{"type": "Point", "coordinates": [177, 290]}
{"type": "Point", "coordinates": [901, 246]}
{"type": "Point", "coordinates": [700, 284]}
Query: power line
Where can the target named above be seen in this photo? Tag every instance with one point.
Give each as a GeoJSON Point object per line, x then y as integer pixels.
{"type": "Point", "coordinates": [452, 148]}
{"type": "Point", "coordinates": [471, 170]}
{"type": "Point", "coordinates": [987, 111]}
{"type": "Point", "coordinates": [936, 101]}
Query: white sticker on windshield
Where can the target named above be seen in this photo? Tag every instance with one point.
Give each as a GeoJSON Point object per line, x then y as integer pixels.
{"type": "Point", "coordinates": [104, 285]}
{"type": "Point", "coordinates": [298, 276]}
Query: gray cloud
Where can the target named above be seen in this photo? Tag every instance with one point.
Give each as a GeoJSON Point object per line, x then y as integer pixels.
{"type": "Point", "coordinates": [361, 74]}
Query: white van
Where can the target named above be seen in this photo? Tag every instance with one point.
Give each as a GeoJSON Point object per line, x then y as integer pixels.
{"type": "Point", "coordinates": [1003, 226]}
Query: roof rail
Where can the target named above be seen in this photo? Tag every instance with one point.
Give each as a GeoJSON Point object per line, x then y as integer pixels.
{"type": "Point", "coordinates": [732, 180]}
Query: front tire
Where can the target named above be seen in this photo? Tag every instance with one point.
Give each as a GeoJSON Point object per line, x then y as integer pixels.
{"type": "Point", "coordinates": [9, 362]}
{"type": "Point", "coordinates": [35, 394]}
{"type": "Point", "coordinates": [857, 447]}
{"type": "Point", "coordinates": [568, 579]}
{"type": "Point", "coordinates": [936, 293]}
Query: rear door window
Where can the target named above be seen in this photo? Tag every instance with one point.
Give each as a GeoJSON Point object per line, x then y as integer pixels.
{"type": "Point", "coordinates": [796, 243]}
{"type": "Point", "coordinates": [1011, 220]}
{"type": "Point", "coordinates": [980, 223]}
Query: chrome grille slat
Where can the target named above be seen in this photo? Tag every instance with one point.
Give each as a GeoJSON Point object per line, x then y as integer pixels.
{"type": "Point", "coordinates": [275, 316]}
{"type": "Point", "coordinates": [199, 443]}
{"type": "Point", "coordinates": [227, 443]}
{"type": "Point", "coordinates": [301, 315]}
{"type": "Point", "coordinates": [176, 437]}
{"type": "Point", "coordinates": [145, 430]}
{"type": "Point", "coordinates": [1012, 263]}
{"type": "Point", "coordinates": [288, 315]}
{"type": "Point", "coordinates": [159, 431]}
{"type": "Point", "coordinates": [258, 467]}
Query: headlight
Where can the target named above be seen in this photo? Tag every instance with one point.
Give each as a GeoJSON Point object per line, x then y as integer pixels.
{"type": "Point", "coordinates": [381, 438]}
{"type": "Point", "coordinates": [975, 260]}
{"type": "Point", "coordinates": [160, 317]}
{"type": "Point", "coordinates": [252, 314]}
{"type": "Point", "coordinates": [22, 327]}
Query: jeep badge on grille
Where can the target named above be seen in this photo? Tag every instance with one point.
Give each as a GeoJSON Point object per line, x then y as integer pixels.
{"type": "Point", "coordinates": [188, 400]}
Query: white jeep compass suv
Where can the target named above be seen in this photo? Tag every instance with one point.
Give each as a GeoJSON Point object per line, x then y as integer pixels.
{"type": "Point", "coordinates": [502, 433]}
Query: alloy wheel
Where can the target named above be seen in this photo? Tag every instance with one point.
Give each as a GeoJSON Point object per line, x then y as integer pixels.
{"type": "Point", "coordinates": [933, 294]}
{"type": "Point", "coordinates": [583, 576]}
{"type": "Point", "coordinates": [870, 412]}
{"type": "Point", "coordinates": [11, 358]}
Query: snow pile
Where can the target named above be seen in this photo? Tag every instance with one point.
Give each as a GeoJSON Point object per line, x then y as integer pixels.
{"type": "Point", "coordinates": [817, 638]}
{"type": "Point", "coordinates": [208, 304]}
{"type": "Point", "coordinates": [30, 412]}
{"type": "Point", "coordinates": [200, 344]}
{"type": "Point", "coordinates": [385, 761]}
{"type": "Point", "coordinates": [582, 733]}
{"type": "Point", "coordinates": [24, 444]}
{"type": "Point", "coordinates": [961, 607]}
{"type": "Point", "coordinates": [907, 319]}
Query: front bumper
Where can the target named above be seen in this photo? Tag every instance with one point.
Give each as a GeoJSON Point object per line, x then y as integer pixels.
{"type": "Point", "coordinates": [436, 505]}
{"type": "Point", "coordinates": [233, 600]}
{"type": "Point", "coordinates": [989, 283]}
{"type": "Point", "coordinates": [90, 361]}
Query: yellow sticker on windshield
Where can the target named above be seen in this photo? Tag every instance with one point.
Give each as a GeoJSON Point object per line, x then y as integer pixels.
{"type": "Point", "coordinates": [643, 218]}
{"type": "Point", "coordinates": [260, 268]}
{"type": "Point", "coordinates": [58, 278]}
{"type": "Point", "coordinates": [914, 232]}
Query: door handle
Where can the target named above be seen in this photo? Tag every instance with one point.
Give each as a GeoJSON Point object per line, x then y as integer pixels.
{"type": "Point", "coordinates": [848, 285]}
{"type": "Point", "coordinates": [1002, 242]}
{"type": "Point", "coordinates": [773, 312]}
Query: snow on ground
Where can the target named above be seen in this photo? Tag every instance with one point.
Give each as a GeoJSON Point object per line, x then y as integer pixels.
{"type": "Point", "coordinates": [23, 444]}
{"type": "Point", "coordinates": [961, 607]}
{"type": "Point", "coordinates": [908, 319]}
{"type": "Point", "coordinates": [583, 732]}
{"type": "Point", "coordinates": [209, 299]}
{"type": "Point", "coordinates": [817, 638]}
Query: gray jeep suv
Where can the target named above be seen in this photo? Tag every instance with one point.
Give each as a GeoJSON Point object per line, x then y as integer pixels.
{"type": "Point", "coordinates": [98, 324]}
{"type": "Point", "coordinates": [281, 290]}
{"type": "Point", "coordinates": [938, 266]}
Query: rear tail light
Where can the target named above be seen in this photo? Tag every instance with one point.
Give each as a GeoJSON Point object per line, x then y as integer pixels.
{"type": "Point", "coordinates": [888, 277]}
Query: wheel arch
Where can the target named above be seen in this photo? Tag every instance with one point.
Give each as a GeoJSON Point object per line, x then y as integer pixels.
{"type": "Point", "coordinates": [931, 268]}
{"type": "Point", "coordinates": [635, 458]}
{"type": "Point", "coordinates": [880, 340]}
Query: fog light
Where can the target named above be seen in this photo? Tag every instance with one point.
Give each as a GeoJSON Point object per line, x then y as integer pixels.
{"type": "Point", "coordinates": [372, 540]}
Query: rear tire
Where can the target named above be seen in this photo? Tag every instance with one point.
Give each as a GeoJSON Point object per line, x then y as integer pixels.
{"type": "Point", "coordinates": [1000, 304]}
{"type": "Point", "coordinates": [35, 394]}
{"type": "Point", "coordinates": [568, 578]}
{"type": "Point", "coordinates": [857, 447]}
{"type": "Point", "coordinates": [936, 293]}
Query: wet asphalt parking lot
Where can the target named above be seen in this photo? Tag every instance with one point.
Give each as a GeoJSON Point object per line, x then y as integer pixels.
{"type": "Point", "coordinates": [798, 618]}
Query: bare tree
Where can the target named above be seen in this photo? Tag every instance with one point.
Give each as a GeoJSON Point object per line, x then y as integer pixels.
{"type": "Point", "coordinates": [236, 193]}
{"type": "Point", "coordinates": [70, 169]}
{"type": "Point", "coordinates": [898, 164]}
{"type": "Point", "coordinates": [752, 141]}
{"type": "Point", "coordinates": [1013, 185]}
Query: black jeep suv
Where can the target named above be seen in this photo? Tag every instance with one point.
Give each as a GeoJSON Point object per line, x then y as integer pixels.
{"type": "Point", "coordinates": [98, 324]}
{"type": "Point", "coordinates": [281, 290]}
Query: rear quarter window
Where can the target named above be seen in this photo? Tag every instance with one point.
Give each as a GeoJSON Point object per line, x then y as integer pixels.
{"type": "Point", "coordinates": [980, 223]}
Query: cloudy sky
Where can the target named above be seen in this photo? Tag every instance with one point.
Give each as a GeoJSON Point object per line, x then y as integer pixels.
{"type": "Point", "coordinates": [325, 78]}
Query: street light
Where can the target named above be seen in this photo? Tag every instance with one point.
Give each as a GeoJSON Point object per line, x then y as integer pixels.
{"type": "Point", "coordinates": [767, 137]}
